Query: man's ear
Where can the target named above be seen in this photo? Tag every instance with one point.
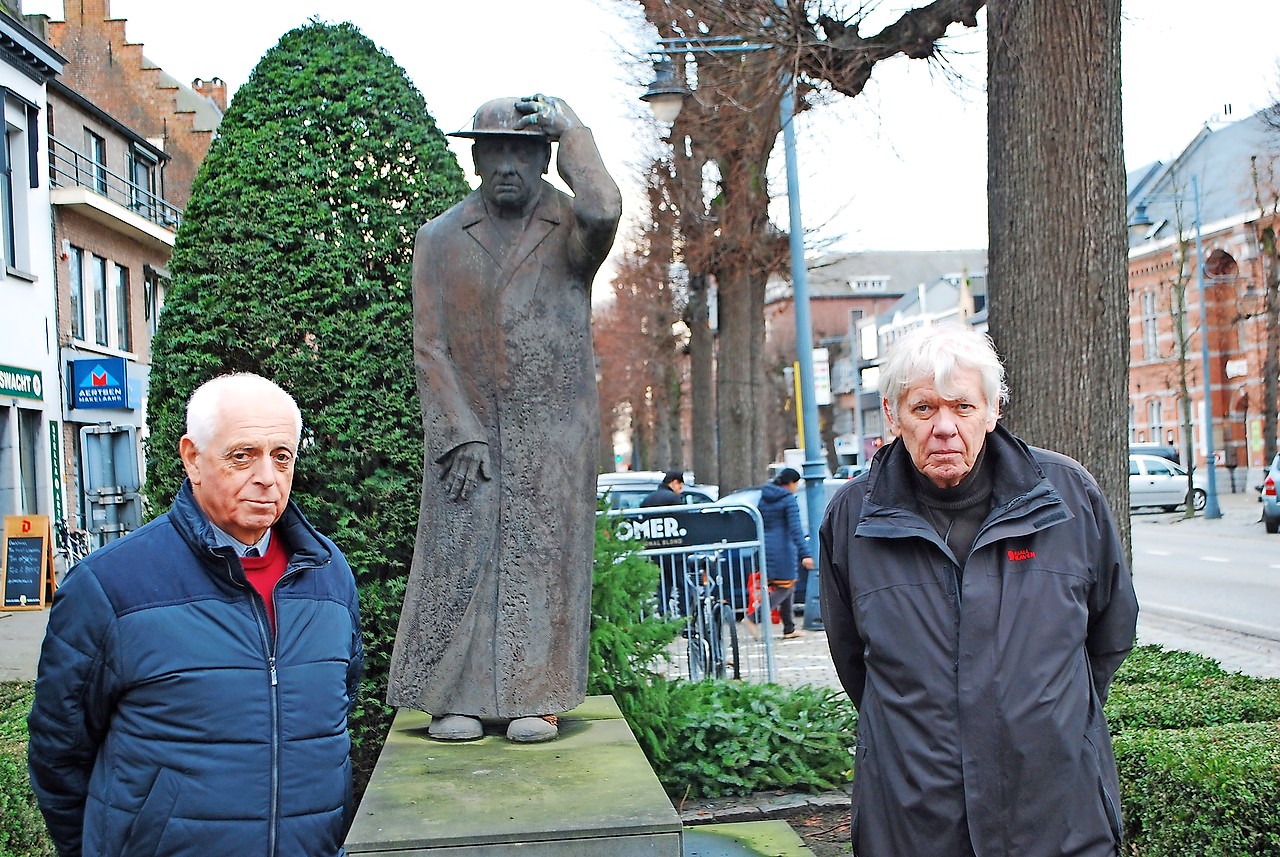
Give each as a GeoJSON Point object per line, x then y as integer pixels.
{"type": "Point", "coordinates": [891, 418]}
{"type": "Point", "coordinates": [190, 458]}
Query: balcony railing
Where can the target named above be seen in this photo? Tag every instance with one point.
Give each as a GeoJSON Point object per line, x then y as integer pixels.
{"type": "Point", "coordinates": [70, 167]}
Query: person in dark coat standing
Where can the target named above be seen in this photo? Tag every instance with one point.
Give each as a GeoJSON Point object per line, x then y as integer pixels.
{"type": "Point", "coordinates": [497, 612]}
{"type": "Point", "coordinates": [786, 548]}
{"type": "Point", "coordinates": [197, 674]}
{"type": "Point", "coordinates": [666, 494]}
{"type": "Point", "coordinates": [977, 604]}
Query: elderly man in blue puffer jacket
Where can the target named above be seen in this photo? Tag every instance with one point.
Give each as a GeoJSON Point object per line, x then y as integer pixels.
{"type": "Point", "coordinates": [197, 674]}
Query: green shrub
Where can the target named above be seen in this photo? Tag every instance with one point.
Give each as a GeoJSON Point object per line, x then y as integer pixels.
{"type": "Point", "coordinates": [1210, 792]}
{"type": "Point", "coordinates": [22, 831]}
{"type": "Point", "coordinates": [1159, 689]}
{"type": "Point", "coordinates": [732, 738]}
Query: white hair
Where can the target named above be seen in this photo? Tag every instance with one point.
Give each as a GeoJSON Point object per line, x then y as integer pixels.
{"type": "Point", "coordinates": [204, 406]}
{"type": "Point", "coordinates": [936, 353]}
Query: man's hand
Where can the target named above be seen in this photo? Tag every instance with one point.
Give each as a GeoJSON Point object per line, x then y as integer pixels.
{"type": "Point", "coordinates": [807, 562]}
{"type": "Point", "coordinates": [548, 114]}
{"type": "Point", "coordinates": [463, 467]}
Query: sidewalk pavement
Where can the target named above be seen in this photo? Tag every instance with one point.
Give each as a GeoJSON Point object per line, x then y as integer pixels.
{"type": "Point", "coordinates": [806, 659]}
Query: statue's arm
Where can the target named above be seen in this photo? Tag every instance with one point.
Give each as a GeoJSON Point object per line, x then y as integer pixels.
{"type": "Point", "coordinates": [454, 437]}
{"type": "Point", "coordinates": [597, 202]}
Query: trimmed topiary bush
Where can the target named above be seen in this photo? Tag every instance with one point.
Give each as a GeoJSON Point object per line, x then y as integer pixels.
{"type": "Point", "coordinates": [1211, 792]}
{"type": "Point", "coordinates": [293, 261]}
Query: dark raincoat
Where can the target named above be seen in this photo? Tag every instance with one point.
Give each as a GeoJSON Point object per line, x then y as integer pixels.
{"type": "Point", "coordinates": [497, 611]}
{"type": "Point", "coordinates": [980, 704]}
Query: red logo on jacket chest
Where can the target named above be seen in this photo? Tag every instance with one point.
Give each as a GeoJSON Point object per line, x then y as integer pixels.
{"type": "Point", "coordinates": [1020, 555]}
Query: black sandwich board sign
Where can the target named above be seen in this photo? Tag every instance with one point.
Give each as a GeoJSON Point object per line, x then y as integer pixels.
{"type": "Point", "coordinates": [26, 563]}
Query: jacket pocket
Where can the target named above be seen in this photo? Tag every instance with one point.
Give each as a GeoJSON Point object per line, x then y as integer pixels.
{"type": "Point", "coordinates": [1108, 791]}
{"type": "Point", "coordinates": [147, 829]}
{"type": "Point", "coordinates": [859, 765]}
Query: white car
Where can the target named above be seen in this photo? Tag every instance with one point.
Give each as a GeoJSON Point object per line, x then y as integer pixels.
{"type": "Point", "coordinates": [1156, 481]}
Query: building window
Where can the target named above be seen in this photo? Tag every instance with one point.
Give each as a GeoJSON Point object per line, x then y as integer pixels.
{"type": "Point", "coordinates": [1155, 419]}
{"type": "Point", "coordinates": [1150, 325]}
{"type": "Point", "coordinates": [869, 284]}
{"type": "Point", "coordinates": [18, 119]}
{"type": "Point", "coordinates": [75, 283]}
{"type": "Point", "coordinates": [96, 147]}
{"type": "Point", "coordinates": [143, 190]}
{"type": "Point", "coordinates": [98, 289]}
{"type": "Point", "coordinates": [153, 288]}
{"type": "Point", "coordinates": [123, 340]}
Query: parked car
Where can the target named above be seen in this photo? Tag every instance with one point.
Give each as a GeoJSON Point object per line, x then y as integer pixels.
{"type": "Point", "coordinates": [848, 471]}
{"type": "Point", "coordinates": [1270, 501]}
{"type": "Point", "coordinates": [626, 489]}
{"type": "Point", "coordinates": [1156, 481]}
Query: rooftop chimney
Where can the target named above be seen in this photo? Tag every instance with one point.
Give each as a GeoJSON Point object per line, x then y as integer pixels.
{"type": "Point", "coordinates": [214, 89]}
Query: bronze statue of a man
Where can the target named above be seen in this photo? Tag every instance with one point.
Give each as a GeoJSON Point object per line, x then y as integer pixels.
{"type": "Point", "coordinates": [497, 610]}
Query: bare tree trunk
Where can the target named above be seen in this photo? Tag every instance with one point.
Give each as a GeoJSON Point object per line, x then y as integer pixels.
{"type": "Point", "coordinates": [738, 382]}
{"type": "Point", "coordinates": [701, 390]}
{"type": "Point", "coordinates": [1057, 267]}
{"type": "Point", "coordinates": [1271, 362]}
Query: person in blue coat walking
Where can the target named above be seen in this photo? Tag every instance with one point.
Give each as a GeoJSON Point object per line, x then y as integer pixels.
{"type": "Point", "coordinates": [197, 675]}
{"type": "Point", "coordinates": [786, 549]}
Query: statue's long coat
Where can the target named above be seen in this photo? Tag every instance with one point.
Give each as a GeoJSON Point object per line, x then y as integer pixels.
{"type": "Point", "coordinates": [498, 605]}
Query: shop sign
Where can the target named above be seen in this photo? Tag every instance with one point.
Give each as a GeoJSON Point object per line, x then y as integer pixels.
{"type": "Point", "coordinates": [23, 383]}
{"type": "Point", "coordinates": [99, 383]}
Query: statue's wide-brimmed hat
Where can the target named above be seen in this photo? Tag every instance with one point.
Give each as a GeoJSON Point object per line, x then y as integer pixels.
{"type": "Point", "coordinates": [497, 118]}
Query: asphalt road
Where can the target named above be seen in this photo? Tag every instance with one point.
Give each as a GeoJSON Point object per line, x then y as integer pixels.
{"type": "Point", "coordinates": [1227, 580]}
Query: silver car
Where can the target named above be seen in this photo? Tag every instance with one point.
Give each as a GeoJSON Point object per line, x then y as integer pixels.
{"type": "Point", "coordinates": [1156, 481]}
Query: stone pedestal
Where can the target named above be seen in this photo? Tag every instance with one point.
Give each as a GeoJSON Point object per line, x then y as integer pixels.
{"type": "Point", "coordinates": [590, 792]}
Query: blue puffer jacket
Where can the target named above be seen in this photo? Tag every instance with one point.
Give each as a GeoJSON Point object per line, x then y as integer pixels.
{"type": "Point", "coordinates": [784, 539]}
{"type": "Point", "coordinates": [169, 720]}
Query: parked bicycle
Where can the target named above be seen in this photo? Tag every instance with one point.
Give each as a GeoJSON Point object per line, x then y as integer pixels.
{"type": "Point", "coordinates": [70, 544]}
{"type": "Point", "coordinates": [710, 626]}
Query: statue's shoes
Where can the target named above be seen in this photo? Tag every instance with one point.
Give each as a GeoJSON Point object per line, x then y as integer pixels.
{"type": "Point", "coordinates": [455, 727]}
{"type": "Point", "coordinates": [530, 730]}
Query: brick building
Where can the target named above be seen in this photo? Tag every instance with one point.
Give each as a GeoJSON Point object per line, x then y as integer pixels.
{"type": "Point", "coordinates": [125, 142]}
{"type": "Point", "coordinates": [1210, 186]}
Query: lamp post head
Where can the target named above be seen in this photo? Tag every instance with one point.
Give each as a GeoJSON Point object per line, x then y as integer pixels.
{"type": "Point", "coordinates": [666, 94]}
{"type": "Point", "coordinates": [1140, 222]}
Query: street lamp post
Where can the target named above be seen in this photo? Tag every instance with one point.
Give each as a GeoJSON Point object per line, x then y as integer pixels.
{"type": "Point", "coordinates": [1140, 219]}
{"type": "Point", "coordinates": [664, 96]}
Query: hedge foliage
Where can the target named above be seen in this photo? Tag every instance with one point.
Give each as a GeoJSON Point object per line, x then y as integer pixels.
{"type": "Point", "coordinates": [293, 261]}
{"type": "Point", "coordinates": [1198, 750]}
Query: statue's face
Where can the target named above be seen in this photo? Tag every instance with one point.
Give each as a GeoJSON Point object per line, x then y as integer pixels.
{"type": "Point", "coordinates": [509, 168]}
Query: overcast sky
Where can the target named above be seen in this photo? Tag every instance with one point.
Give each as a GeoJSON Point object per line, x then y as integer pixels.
{"type": "Point", "coordinates": [902, 167]}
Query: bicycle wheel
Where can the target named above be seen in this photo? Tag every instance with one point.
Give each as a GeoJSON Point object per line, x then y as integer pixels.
{"type": "Point", "coordinates": [699, 651]}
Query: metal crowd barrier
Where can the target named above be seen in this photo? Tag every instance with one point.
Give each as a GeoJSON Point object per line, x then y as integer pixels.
{"type": "Point", "coordinates": [709, 557]}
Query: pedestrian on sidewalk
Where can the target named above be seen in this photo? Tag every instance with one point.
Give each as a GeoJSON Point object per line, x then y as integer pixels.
{"type": "Point", "coordinates": [786, 548]}
{"type": "Point", "coordinates": [977, 604]}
